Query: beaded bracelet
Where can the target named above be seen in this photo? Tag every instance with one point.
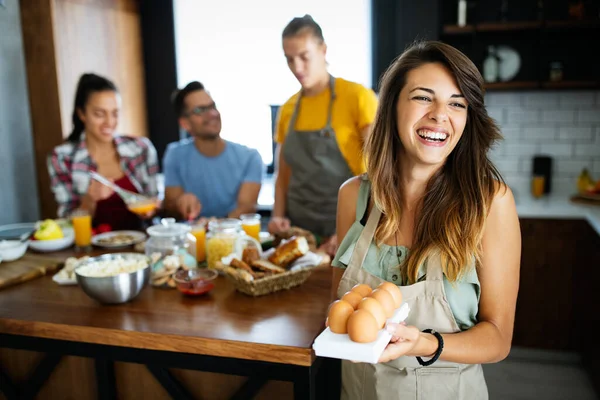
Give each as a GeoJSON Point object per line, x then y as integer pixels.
{"type": "Point", "coordinates": [438, 352]}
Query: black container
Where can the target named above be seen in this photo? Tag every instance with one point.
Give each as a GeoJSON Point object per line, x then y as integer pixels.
{"type": "Point", "coordinates": [542, 166]}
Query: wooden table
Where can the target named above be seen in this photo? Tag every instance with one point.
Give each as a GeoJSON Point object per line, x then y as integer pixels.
{"type": "Point", "coordinates": [268, 337]}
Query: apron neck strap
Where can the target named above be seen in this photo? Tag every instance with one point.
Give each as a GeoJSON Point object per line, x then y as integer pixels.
{"type": "Point", "coordinates": [332, 96]}
{"type": "Point", "coordinates": [364, 241]}
{"type": "Point", "coordinates": [331, 99]}
{"type": "Point", "coordinates": [435, 272]}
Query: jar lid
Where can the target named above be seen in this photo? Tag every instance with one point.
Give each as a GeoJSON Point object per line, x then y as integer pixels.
{"type": "Point", "coordinates": [226, 224]}
{"type": "Point", "coordinates": [168, 228]}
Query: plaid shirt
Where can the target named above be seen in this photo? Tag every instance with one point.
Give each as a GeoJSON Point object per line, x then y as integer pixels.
{"type": "Point", "coordinates": [69, 165]}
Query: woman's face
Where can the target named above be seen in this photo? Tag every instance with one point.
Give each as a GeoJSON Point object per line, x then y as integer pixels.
{"type": "Point", "coordinates": [305, 56]}
{"type": "Point", "coordinates": [101, 115]}
{"type": "Point", "coordinates": [431, 114]}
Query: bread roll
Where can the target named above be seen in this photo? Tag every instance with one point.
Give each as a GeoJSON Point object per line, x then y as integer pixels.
{"type": "Point", "coordinates": [250, 254]}
{"type": "Point", "coordinates": [289, 251]}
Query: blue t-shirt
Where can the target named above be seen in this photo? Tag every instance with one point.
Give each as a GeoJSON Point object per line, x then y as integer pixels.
{"type": "Point", "coordinates": [216, 180]}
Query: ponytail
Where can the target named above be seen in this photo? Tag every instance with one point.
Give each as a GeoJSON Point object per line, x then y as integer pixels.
{"type": "Point", "coordinates": [88, 84]}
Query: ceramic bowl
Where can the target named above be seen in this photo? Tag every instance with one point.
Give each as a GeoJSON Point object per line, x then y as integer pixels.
{"type": "Point", "coordinates": [11, 250]}
{"type": "Point", "coordinates": [56, 244]}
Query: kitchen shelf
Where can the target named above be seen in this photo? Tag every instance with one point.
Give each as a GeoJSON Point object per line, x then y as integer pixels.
{"type": "Point", "coordinates": [458, 30]}
{"type": "Point", "coordinates": [523, 85]}
{"type": "Point", "coordinates": [508, 26]}
{"type": "Point", "coordinates": [518, 26]}
{"type": "Point", "coordinates": [592, 23]}
{"type": "Point", "coordinates": [512, 85]}
{"type": "Point", "coordinates": [570, 85]}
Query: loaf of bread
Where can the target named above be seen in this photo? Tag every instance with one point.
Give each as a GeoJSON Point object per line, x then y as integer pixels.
{"type": "Point", "coordinates": [250, 254]}
{"type": "Point", "coordinates": [288, 252]}
{"type": "Point", "coordinates": [240, 264]}
{"type": "Point", "coordinates": [267, 266]}
{"type": "Point", "coordinates": [297, 232]}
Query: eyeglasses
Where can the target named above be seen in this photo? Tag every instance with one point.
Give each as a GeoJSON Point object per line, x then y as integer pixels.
{"type": "Point", "coordinates": [200, 110]}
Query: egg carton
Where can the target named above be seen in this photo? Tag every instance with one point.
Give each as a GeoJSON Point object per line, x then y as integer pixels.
{"type": "Point", "coordinates": [339, 345]}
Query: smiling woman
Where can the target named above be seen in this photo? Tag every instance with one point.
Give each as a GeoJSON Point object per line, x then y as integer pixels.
{"type": "Point", "coordinates": [432, 215]}
{"type": "Point", "coordinates": [93, 145]}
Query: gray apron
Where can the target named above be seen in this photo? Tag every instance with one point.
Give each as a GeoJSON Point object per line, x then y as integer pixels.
{"type": "Point", "coordinates": [318, 169]}
{"type": "Point", "coordinates": [404, 378]}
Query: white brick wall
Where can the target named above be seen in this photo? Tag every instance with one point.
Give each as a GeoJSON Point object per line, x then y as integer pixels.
{"type": "Point", "coordinates": [562, 124]}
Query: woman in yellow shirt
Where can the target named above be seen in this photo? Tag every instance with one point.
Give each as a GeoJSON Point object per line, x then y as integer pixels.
{"type": "Point", "coordinates": [320, 133]}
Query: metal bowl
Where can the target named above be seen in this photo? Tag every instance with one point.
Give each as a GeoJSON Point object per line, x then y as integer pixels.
{"type": "Point", "coordinates": [115, 289]}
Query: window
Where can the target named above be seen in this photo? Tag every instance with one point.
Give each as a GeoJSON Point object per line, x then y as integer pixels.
{"type": "Point", "coordinates": [234, 49]}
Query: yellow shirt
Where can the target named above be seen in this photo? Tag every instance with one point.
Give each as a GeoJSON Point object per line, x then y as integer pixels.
{"type": "Point", "coordinates": [353, 109]}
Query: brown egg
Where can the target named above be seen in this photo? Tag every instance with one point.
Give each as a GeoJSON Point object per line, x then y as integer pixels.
{"type": "Point", "coordinates": [337, 319]}
{"type": "Point", "coordinates": [353, 298]}
{"type": "Point", "coordinates": [375, 308]}
{"type": "Point", "coordinates": [363, 289]}
{"type": "Point", "coordinates": [362, 327]}
{"type": "Point", "coordinates": [385, 298]}
{"type": "Point", "coordinates": [394, 291]}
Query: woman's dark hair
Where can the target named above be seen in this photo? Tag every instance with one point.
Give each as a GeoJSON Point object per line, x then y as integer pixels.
{"type": "Point", "coordinates": [301, 25]}
{"type": "Point", "coordinates": [88, 84]}
{"type": "Point", "coordinates": [178, 96]}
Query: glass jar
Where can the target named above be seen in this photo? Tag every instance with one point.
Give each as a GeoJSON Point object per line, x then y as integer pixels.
{"type": "Point", "coordinates": [556, 71]}
{"type": "Point", "coordinates": [170, 238]}
{"type": "Point", "coordinates": [226, 237]}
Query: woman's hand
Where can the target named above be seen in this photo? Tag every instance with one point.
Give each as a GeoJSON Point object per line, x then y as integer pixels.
{"type": "Point", "coordinates": [97, 191]}
{"type": "Point", "coordinates": [278, 225]}
{"type": "Point", "coordinates": [404, 341]}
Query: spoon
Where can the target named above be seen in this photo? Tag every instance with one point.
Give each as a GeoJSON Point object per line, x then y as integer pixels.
{"type": "Point", "coordinates": [127, 196]}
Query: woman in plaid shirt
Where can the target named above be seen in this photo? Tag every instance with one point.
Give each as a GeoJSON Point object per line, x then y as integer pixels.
{"type": "Point", "coordinates": [94, 146]}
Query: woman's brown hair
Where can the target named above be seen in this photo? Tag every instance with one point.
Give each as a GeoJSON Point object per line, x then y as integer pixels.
{"type": "Point", "coordinates": [455, 205]}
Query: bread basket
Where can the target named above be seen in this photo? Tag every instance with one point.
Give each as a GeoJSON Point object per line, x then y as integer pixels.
{"type": "Point", "coordinates": [268, 284]}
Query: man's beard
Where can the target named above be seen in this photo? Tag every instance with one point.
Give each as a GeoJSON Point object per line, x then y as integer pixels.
{"type": "Point", "coordinates": [206, 136]}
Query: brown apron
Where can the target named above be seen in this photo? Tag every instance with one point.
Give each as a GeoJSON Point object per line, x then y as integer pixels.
{"type": "Point", "coordinates": [404, 378]}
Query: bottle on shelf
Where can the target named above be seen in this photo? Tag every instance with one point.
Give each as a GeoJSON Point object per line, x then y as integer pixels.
{"type": "Point", "coordinates": [462, 13]}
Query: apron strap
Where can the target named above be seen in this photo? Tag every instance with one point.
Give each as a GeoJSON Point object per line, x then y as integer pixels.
{"type": "Point", "coordinates": [327, 130]}
{"type": "Point", "coordinates": [435, 272]}
{"type": "Point", "coordinates": [364, 241]}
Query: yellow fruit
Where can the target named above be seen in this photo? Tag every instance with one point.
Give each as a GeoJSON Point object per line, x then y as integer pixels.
{"type": "Point", "coordinates": [48, 230]}
{"type": "Point", "coordinates": [585, 183]}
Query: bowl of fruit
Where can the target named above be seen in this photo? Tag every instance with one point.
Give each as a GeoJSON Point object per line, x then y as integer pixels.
{"type": "Point", "coordinates": [587, 186]}
{"type": "Point", "coordinates": [52, 235]}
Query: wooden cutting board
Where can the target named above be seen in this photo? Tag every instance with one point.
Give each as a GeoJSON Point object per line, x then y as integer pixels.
{"type": "Point", "coordinates": [26, 268]}
{"type": "Point", "coordinates": [585, 200]}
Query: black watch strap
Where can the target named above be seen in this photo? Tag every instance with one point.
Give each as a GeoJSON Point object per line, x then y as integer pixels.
{"type": "Point", "coordinates": [438, 351]}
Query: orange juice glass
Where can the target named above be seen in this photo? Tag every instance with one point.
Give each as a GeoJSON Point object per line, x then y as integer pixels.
{"type": "Point", "coordinates": [537, 186]}
{"type": "Point", "coordinates": [251, 225]}
{"type": "Point", "coordinates": [82, 226]}
{"type": "Point", "coordinates": [199, 232]}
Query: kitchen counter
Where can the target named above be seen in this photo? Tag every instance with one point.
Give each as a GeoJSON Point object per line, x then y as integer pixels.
{"type": "Point", "coordinates": [267, 337]}
{"type": "Point", "coordinates": [557, 207]}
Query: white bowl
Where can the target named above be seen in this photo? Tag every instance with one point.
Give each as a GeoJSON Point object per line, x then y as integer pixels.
{"type": "Point", "coordinates": [56, 244]}
{"type": "Point", "coordinates": [11, 250]}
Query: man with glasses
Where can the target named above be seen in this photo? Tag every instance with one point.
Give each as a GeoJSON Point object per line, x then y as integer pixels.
{"type": "Point", "coordinates": [205, 175]}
